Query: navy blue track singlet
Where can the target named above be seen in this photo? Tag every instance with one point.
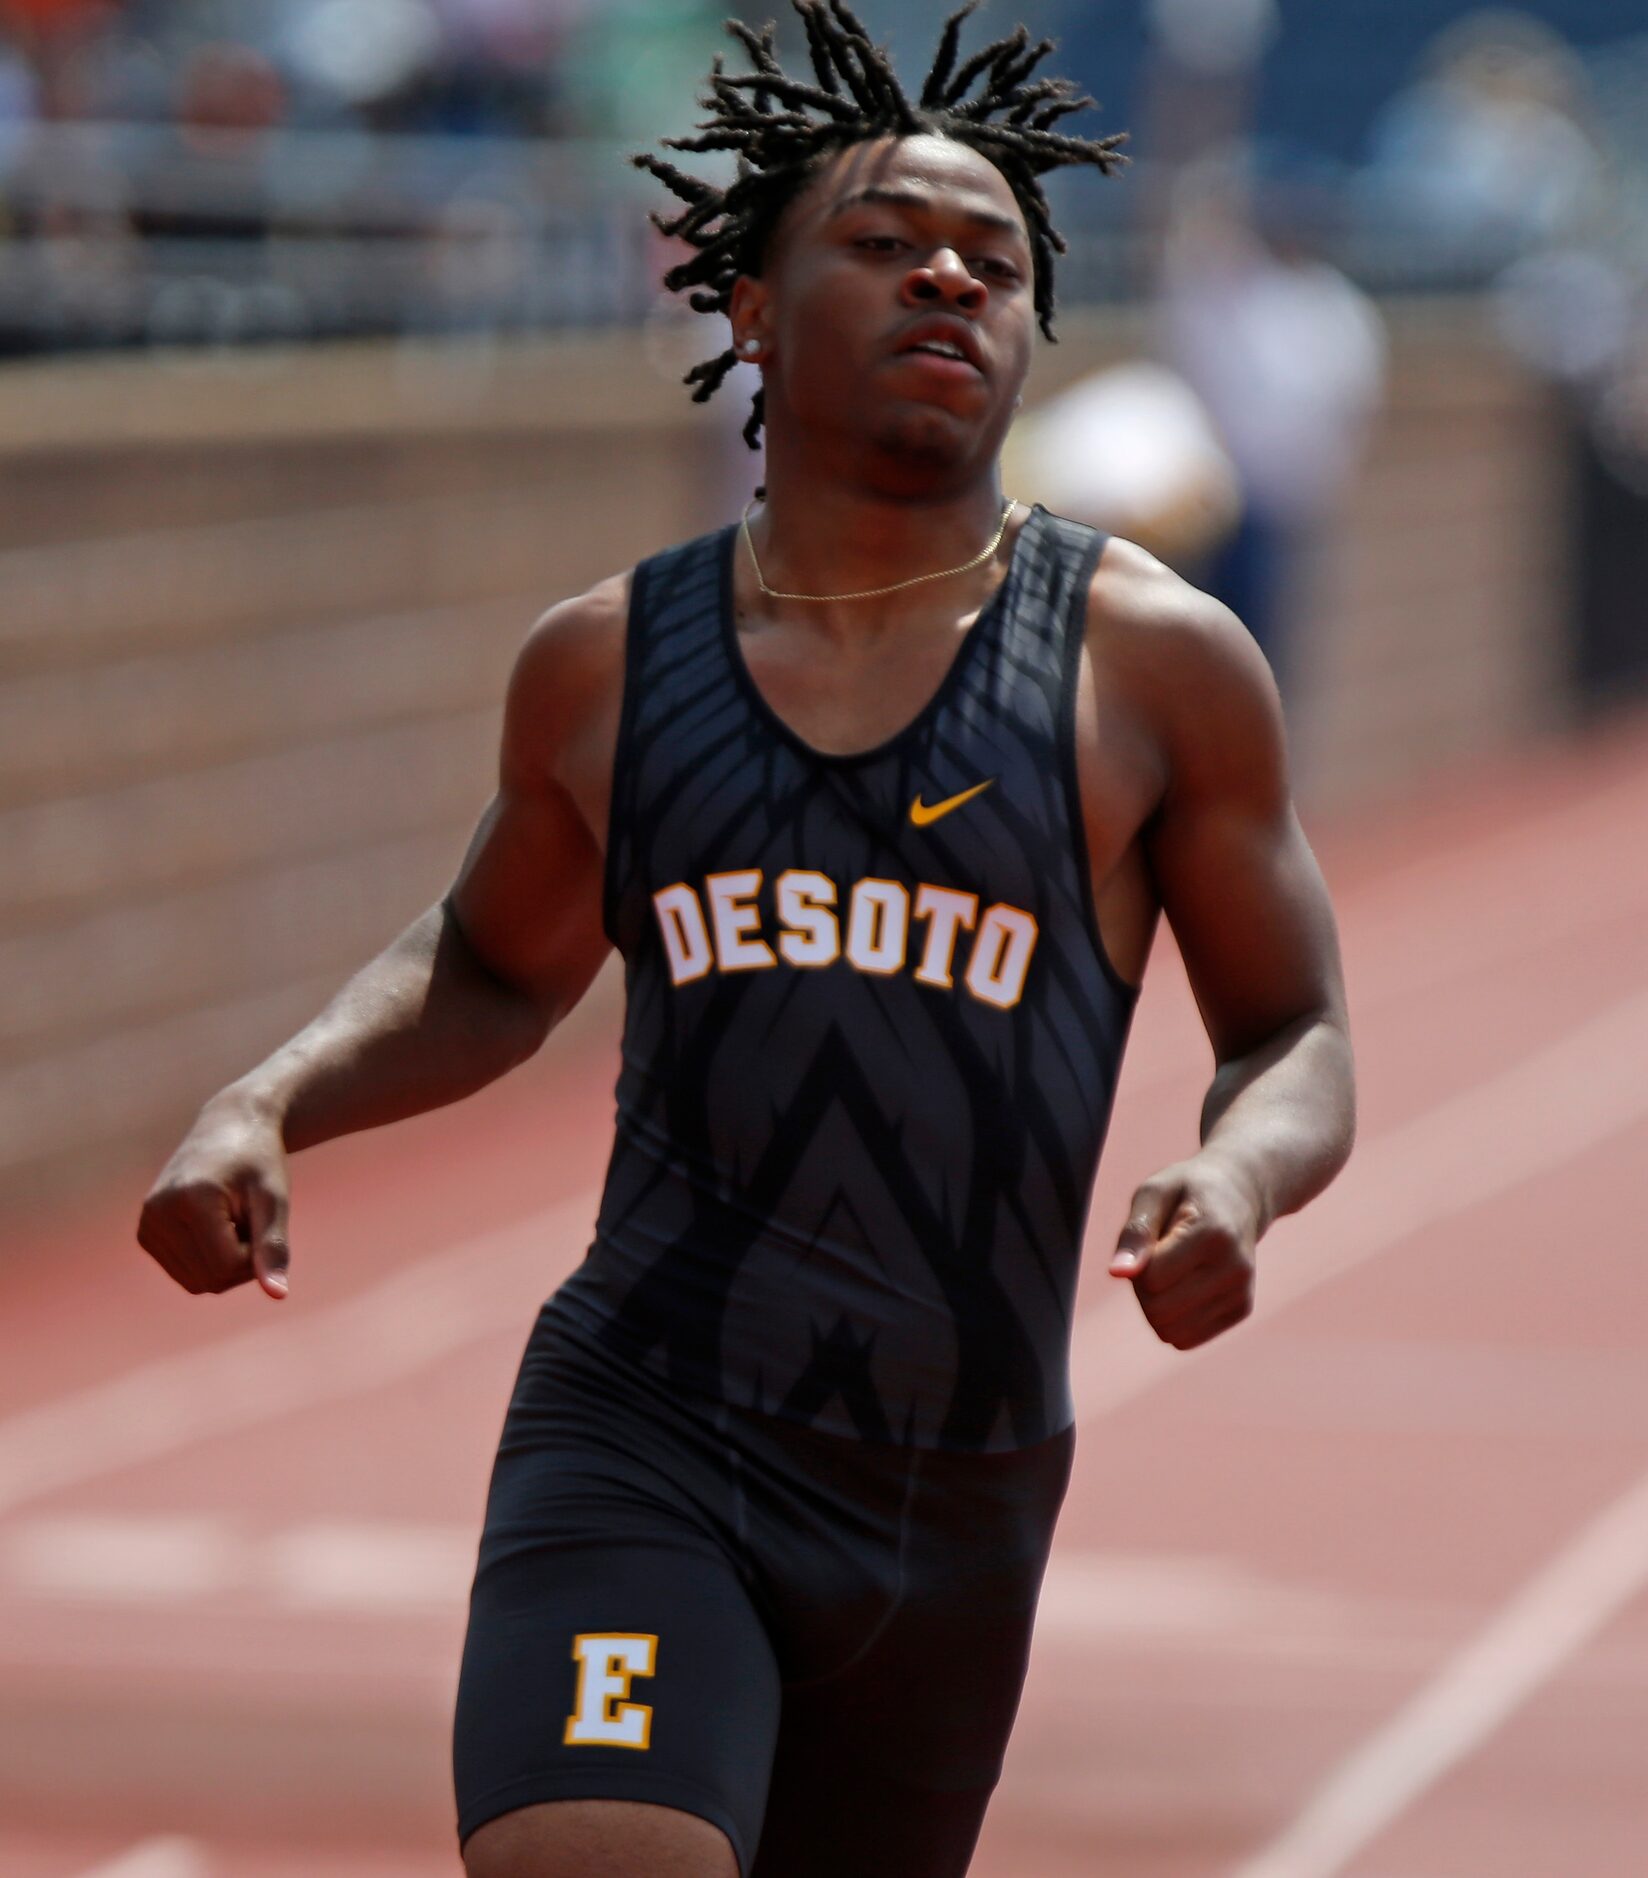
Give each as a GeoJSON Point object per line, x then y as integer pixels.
{"type": "Point", "coordinates": [872, 1038]}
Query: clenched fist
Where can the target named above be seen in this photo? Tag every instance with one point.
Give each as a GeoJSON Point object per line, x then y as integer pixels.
{"type": "Point", "coordinates": [216, 1216]}
{"type": "Point", "coordinates": [1188, 1247]}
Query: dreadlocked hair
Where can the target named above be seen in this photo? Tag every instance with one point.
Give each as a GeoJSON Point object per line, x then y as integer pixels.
{"type": "Point", "coordinates": [782, 129]}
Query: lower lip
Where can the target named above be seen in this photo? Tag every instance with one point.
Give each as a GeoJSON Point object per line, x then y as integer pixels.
{"type": "Point", "coordinates": [959, 369]}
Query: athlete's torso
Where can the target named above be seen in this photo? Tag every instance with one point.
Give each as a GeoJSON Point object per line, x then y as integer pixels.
{"type": "Point", "coordinates": [871, 1038]}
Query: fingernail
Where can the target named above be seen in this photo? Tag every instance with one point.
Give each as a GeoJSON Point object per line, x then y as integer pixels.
{"type": "Point", "coordinates": [1126, 1261]}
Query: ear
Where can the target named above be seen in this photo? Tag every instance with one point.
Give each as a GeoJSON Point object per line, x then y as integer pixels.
{"type": "Point", "coordinates": [751, 317]}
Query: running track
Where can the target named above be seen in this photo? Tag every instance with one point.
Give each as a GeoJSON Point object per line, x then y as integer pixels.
{"type": "Point", "coordinates": [1360, 1588]}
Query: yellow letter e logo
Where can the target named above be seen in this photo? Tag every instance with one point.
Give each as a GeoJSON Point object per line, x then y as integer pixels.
{"type": "Point", "coordinates": [607, 1663]}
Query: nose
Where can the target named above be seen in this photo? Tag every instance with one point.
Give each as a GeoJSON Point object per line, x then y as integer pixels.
{"type": "Point", "coordinates": [945, 280]}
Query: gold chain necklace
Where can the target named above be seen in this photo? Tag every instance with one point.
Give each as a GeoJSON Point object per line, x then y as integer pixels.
{"type": "Point", "coordinates": [873, 593]}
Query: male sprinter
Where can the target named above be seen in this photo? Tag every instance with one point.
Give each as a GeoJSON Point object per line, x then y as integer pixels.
{"type": "Point", "coordinates": [880, 799]}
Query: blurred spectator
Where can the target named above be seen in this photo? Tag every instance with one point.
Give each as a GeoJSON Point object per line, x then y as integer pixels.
{"type": "Point", "coordinates": [1130, 450]}
{"type": "Point", "coordinates": [525, 34]}
{"type": "Point", "coordinates": [1205, 57]}
{"type": "Point", "coordinates": [1573, 305]}
{"type": "Point", "coordinates": [228, 97]}
{"type": "Point", "coordinates": [47, 19]}
{"type": "Point", "coordinates": [477, 264]}
{"type": "Point", "coordinates": [341, 153]}
{"type": "Point", "coordinates": [1608, 470]}
{"type": "Point", "coordinates": [1289, 359]}
{"type": "Point", "coordinates": [637, 66]}
{"type": "Point", "coordinates": [1485, 154]}
{"type": "Point", "coordinates": [19, 102]}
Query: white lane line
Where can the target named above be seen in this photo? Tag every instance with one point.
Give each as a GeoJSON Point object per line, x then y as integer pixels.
{"type": "Point", "coordinates": [155, 1858]}
{"type": "Point", "coordinates": [121, 1558]}
{"type": "Point", "coordinates": [1555, 1614]}
{"type": "Point", "coordinates": [415, 1317]}
{"type": "Point", "coordinates": [371, 1567]}
{"type": "Point", "coordinates": [1184, 1597]}
{"type": "Point", "coordinates": [390, 1570]}
{"type": "Point", "coordinates": [367, 1567]}
{"type": "Point", "coordinates": [1525, 1122]}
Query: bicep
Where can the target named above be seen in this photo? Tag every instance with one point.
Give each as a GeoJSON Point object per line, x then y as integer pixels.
{"type": "Point", "coordinates": [1238, 882]}
{"type": "Point", "coordinates": [528, 896]}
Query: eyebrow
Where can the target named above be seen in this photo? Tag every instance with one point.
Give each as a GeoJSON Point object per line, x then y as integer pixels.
{"type": "Point", "coordinates": [924, 205]}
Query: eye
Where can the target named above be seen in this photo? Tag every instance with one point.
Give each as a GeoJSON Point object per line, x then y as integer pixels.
{"type": "Point", "coordinates": [994, 266]}
{"type": "Point", "coordinates": [879, 244]}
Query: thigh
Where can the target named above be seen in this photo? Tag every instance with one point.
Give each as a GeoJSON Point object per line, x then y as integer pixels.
{"type": "Point", "coordinates": [885, 1768]}
{"type": "Point", "coordinates": [598, 1839]}
{"type": "Point", "coordinates": [613, 1651]}
{"type": "Point", "coordinates": [830, 1812]}
{"type": "Point", "coordinates": [628, 1671]}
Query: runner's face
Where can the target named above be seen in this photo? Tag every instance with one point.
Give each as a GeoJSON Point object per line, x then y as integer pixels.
{"type": "Point", "coordinates": [897, 307]}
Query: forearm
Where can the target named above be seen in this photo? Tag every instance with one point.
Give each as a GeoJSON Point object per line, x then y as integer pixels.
{"type": "Point", "coordinates": [422, 1025]}
{"type": "Point", "coordinates": [1283, 1117]}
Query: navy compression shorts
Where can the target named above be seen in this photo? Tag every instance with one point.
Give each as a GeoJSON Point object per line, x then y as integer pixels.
{"type": "Point", "coordinates": [815, 1643]}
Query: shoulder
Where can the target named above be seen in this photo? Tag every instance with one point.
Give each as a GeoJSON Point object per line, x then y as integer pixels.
{"type": "Point", "coordinates": [569, 672]}
{"type": "Point", "coordinates": [1187, 669]}
{"type": "Point", "coordinates": [577, 640]}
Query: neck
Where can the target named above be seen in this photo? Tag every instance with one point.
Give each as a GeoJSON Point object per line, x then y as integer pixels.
{"type": "Point", "coordinates": [818, 536]}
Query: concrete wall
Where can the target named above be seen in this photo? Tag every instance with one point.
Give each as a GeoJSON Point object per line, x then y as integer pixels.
{"type": "Point", "coordinates": [255, 625]}
{"type": "Point", "coordinates": [256, 619]}
{"type": "Point", "coordinates": [1438, 633]}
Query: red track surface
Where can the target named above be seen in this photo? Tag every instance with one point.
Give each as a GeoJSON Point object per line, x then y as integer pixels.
{"type": "Point", "coordinates": [1329, 1595]}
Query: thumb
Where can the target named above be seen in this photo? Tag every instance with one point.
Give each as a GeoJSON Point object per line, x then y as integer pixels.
{"type": "Point", "coordinates": [1153, 1206]}
{"type": "Point", "coordinates": [271, 1255]}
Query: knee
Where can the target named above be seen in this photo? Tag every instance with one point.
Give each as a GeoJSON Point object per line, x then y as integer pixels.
{"type": "Point", "coordinates": [598, 1839]}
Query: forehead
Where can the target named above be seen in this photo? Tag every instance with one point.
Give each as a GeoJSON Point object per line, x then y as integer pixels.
{"type": "Point", "coordinates": [947, 176]}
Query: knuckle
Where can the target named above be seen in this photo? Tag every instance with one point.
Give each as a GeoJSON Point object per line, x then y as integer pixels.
{"type": "Point", "coordinates": [158, 1209]}
{"type": "Point", "coordinates": [185, 1205]}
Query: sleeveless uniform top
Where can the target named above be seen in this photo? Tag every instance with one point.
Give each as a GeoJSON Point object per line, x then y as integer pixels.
{"type": "Point", "coordinates": [871, 1037]}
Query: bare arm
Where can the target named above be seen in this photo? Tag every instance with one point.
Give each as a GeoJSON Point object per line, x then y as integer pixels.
{"type": "Point", "coordinates": [468, 991]}
{"type": "Point", "coordinates": [474, 986]}
{"type": "Point", "coordinates": [1247, 904]}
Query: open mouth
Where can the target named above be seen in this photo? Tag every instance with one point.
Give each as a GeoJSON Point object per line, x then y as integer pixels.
{"type": "Point", "coordinates": [943, 340]}
{"type": "Point", "coordinates": [942, 353]}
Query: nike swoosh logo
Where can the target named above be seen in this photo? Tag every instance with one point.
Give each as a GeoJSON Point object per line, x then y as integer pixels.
{"type": "Point", "coordinates": [921, 815]}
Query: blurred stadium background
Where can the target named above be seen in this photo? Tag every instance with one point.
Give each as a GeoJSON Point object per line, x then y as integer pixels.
{"type": "Point", "coordinates": [332, 350]}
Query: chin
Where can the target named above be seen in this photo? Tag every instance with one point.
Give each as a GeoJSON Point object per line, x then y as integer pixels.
{"type": "Point", "coordinates": [928, 441]}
